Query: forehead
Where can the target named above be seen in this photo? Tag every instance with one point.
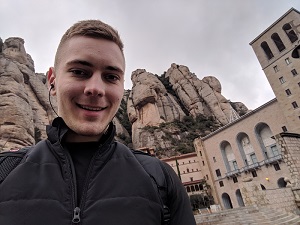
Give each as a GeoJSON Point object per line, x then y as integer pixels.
{"type": "Point", "coordinates": [95, 50]}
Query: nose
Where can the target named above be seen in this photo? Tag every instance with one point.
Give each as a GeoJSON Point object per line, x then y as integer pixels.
{"type": "Point", "coordinates": [94, 86]}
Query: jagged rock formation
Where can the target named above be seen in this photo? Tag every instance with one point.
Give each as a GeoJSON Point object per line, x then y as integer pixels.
{"type": "Point", "coordinates": [155, 101]}
{"type": "Point", "coordinates": [23, 98]}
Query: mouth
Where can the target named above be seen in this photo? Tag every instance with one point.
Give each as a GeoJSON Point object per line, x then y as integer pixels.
{"type": "Point", "coordinates": [91, 108]}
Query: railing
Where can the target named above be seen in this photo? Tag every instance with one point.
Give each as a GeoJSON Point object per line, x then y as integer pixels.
{"type": "Point", "coordinates": [233, 172]}
{"type": "Point", "coordinates": [273, 159]}
{"type": "Point", "coordinates": [253, 166]}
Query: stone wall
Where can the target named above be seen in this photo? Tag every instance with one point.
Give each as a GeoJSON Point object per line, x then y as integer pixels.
{"type": "Point", "coordinates": [280, 199]}
{"type": "Point", "coordinates": [290, 146]}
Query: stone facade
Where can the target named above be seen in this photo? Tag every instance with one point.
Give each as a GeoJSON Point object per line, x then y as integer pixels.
{"type": "Point", "coordinates": [188, 168]}
{"type": "Point", "coordinates": [244, 150]}
{"type": "Point", "coordinates": [273, 49]}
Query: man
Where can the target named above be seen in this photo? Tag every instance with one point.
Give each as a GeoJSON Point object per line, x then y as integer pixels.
{"type": "Point", "coordinates": [80, 175]}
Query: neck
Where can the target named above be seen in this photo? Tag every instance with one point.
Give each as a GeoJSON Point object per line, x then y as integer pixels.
{"type": "Point", "coordinates": [74, 137]}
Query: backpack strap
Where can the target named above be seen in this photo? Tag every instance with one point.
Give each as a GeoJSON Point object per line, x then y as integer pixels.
{"type": "Point", "coordinates": [10, 160]}
{"type": "Point", "coordinates": [158, 173]}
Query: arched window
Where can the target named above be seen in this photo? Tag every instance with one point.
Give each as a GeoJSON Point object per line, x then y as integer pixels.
{"type": "Point", "coordinates": [267, 143]}
{"type": "Point", "coordinates": [267, 50]}
{"type": "Point", "coordinates": [228, 156]}
{"type": "Point", "coordinates": [239, 197]}
{"type": "Point", "coordinates": [290, 32]}
{"type": "Point", "coordinates": [188, 189]}
{"type": "Point", "coordinates": [226, 201]}
{"type": "Point", "coordinates": [278, 42]}
{"type": "Point", "coordinates": [245, 148]}
{"type": "Point", "coordinates": [197, 187]}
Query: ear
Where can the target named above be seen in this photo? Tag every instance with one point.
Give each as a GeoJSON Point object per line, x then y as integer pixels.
{"type": "Point", "coordinates": [51, 80]}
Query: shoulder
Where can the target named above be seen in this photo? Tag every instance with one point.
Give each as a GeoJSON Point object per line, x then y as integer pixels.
{"type": "Point", "coordinates": [10, 160]}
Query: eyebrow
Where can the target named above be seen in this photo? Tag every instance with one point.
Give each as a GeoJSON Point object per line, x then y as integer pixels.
{"type": "Point", "coordinates": [86, 63]}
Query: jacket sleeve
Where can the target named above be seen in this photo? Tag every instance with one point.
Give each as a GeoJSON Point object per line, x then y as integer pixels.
{"type": "Point", "coordinates": [179, 202]}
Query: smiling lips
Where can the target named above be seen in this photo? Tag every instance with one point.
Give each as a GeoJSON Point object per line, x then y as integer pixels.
{"type": "Point", "coordinates": [90, 108]}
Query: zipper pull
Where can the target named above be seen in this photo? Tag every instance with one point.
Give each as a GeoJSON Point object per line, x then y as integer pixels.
{"type": "Point", "coordinates": [76, 215]}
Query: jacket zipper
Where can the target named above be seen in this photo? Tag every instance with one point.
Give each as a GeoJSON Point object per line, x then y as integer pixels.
{"type": "Point", "coordinates": [86, 182]}
{"type": "Point", "coordinates": [76, 210]}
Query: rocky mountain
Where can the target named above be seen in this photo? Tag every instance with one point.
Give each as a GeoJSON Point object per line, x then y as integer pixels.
{"type": "Point", "coordinates": [168, 112]}
{"type": "Point", "coordinates": [163, 112]}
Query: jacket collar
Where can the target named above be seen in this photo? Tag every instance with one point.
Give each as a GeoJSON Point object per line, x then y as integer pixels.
{"type": "Point", "coordinates": [57, 131]}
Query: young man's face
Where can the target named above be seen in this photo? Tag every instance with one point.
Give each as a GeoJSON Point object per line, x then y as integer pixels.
{"type": "Point", "coordinates": [89, 85]}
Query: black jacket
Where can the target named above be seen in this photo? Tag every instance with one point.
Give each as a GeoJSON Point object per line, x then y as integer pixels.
{"type": "Point", "coordinates": [117, 190]}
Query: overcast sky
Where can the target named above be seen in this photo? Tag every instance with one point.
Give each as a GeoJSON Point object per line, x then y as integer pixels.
{"type": "Point", "coordinates": [210, 37]}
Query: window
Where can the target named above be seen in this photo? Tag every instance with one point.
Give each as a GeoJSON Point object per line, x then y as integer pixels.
{"type": "Point", "coordinates": [295, 105]}
{"type": "Point", "coordinates": [253, 158]}
{"type": "Point", "coordinates": [193, 188]}
{"type": "Point", "coordinates": [290, 32]}
{"type": "Point", "coordinates": [200, 153]}
{"type": "Point", "coordinates": [191, 178]}
{"type": "Point", "coordinates": [235, 166]}
{"type": "Point", "coordinates": [197, 187]}
{"type": "Point", "coordinates": [235, 180]}
{"type": "Point", "coordinates": [218, 173]}
{"type": "Point", "coordinates": [187, 170]}
{"type": "Point", "coordinates": [221, 183]}
{"type": "Point", "coordinates": [274, 150]}
{"type": "Point", "coordinates": [203, 163]}
{"type": "Point", "coordinates": [188, 189]}
{"type": "Point", "coordinates": [214, 159]}
{"type": "Point", "coordinates": [254, 174]}
{"type": "Point", "coordinates": [264, 45]}
{"type": "Point", "coordinates": [206, 177]}
{"type": "Point", "coordinates": [299, 84]}
{"type": "Point", "coordinates": [276, 69]}
{"type": "Point", "coordinates": [287, 61]}
{"type": "Point", "coordinates": [281, 79]}
{"type": "Point", "coordinates": [294, 72]}
{"type": "Point", "coordinates": [278, 42]}
{"type": "Point", "coordinates": [284, 129]}
{"type": "Point", "coordinates": [276, 166]}
{"type": "Point", "coordinates": [288, 92]}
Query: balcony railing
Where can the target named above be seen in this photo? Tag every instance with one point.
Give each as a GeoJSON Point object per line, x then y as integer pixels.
{"type": "Point", "coordinates": [273, 159]}
{"type": "Point", "coordinates": [233, 172]}
{"type": "Point", "coordinates": [252, 166]}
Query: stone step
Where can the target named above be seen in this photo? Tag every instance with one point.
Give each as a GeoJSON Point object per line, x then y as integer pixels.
{"type": "Point", "coordinates": [248, 216]}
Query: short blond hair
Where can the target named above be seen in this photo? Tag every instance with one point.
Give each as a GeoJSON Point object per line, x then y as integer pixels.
{"type": "Point", "coordinates": [90, 28]}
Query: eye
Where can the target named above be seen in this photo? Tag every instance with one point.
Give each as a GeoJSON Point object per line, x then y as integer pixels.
{"type": "Point", "coordinates": [79, 73]}
{"type": "Point", "coordinates": [112, 77]}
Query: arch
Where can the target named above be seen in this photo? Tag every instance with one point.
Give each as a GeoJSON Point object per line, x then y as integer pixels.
{"type": "Point", "coordinates": [264, 45]}
{"type": "Point", "coordinates": [192, 188]}
{"type": "Point", "coordinates": [278, 42]}
{"type": "Point", "coordinates": [226, 201]}
{"type": "Point", "coordinates": [281, 182]}
{"type": "Point", "coordinates": [290, 32]}
{"type": "Point", "coordinates": [239, 197]}
{"type": "Point", "coordinates": [188, 189]}
{"type": "Point", "coordinates": [228, 155]}
{"type": "Point", "coordinates": [245, 147]}
{"type": "Point", "coordinates": [268, 144]}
